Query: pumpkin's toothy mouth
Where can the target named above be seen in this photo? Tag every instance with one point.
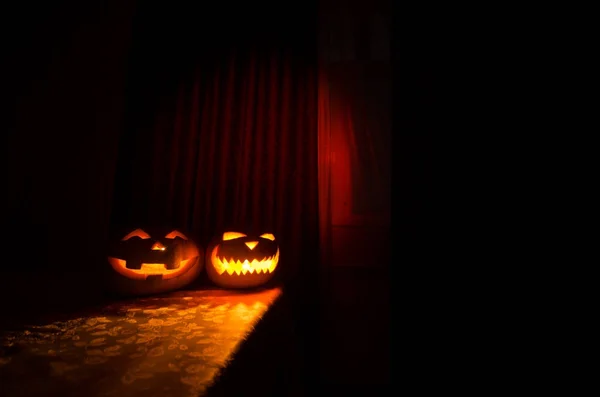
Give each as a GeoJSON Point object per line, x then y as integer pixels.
{"type": "Point", "coordinates": [150, 269]}
{"type": "Point", "coordinates": [263, 266]}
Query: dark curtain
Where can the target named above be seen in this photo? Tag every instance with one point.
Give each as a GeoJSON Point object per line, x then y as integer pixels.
{"type": "Point", "coordinates": [223, 136]}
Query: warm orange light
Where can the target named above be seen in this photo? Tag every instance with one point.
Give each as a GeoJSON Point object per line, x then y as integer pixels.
{"type": "Point", "coordinates": [199, 333]}
{"type": "Point", "coordinates": [157, 246]}
{"type": "Point", "coordinates": [149, 269]}
{"type": "Point", "coordinates": [232, 235]}
{"type": "Point", "coordinates": [266, 265]}
{"type": "Point", "coordinates": [176, 233]}
{"type": "Point", "coordinates": [136, 233]}
{"type": "Point", "coordinates": [268, 236]}
{"type": "Point", "coordinates": [251, 244]}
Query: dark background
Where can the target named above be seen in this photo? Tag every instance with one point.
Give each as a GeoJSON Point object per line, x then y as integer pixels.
{"type": "Point", "coordinates": [73, 76]}
{"type": "Point", "coordinates": [75, 73]}
{"type": "Point", "coordinates": [63, 103]}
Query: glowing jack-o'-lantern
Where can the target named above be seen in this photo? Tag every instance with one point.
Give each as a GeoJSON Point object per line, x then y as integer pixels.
{"type": "Point", "coordinates": [143, 264]}
{"type": "Point", "coordinates": [237, 260]}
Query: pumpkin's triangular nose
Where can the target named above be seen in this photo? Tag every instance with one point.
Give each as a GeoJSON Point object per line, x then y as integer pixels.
{"type": "Point", "coordinates": [251, 244]}
{"type": "Point", "coordinates": [158, 246]}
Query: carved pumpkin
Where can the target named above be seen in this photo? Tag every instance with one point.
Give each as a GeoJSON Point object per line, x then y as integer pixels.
{"type": "Point", "coordinates": [143, 264]}
{"type": "Point", "coordinates": [237, 260]}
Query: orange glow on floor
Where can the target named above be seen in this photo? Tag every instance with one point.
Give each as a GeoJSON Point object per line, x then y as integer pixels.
{"type": "Point", "coordinates": [172, 345]}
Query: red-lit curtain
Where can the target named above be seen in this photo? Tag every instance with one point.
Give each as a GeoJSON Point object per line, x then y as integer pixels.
{"type": "Point", "coordinates": [235, 148]}
{"type": "Point", "coordinates": [325, 150]}
{"type": "Point", "coordinates": [354, 112]}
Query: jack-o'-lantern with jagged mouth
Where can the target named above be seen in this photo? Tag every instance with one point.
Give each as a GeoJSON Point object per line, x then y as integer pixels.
{"type": "Point", "coordinates": [238, 260]}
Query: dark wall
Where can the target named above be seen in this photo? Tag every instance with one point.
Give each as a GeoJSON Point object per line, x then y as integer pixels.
{"type": "Point", "coordinates": [63, 86]}
{"type": "Point", "coordinates": [171, 41]}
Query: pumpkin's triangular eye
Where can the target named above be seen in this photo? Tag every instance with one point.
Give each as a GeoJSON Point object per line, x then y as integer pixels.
{"type": "Point", "coordinates": [136, 233]}
{"type": "Point", "coordinates": [176, 233]}
{"type": "Point", "coordinates": [268, 236]}
{"type": "Point", "coordinates": [232, 235]}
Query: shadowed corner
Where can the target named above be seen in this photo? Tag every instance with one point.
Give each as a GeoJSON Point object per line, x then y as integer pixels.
{"type": "Point", "coordinates": [271, 362]}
